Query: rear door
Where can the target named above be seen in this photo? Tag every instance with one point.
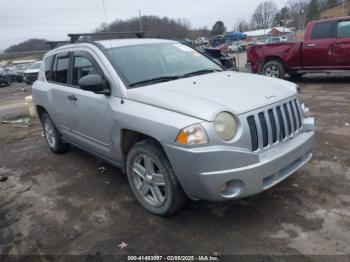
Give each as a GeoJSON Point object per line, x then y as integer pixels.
{"type": "Point", "coordinates": [341, 50]}
{"type": "Point", "coordinates": [317, 48]}
{"type": "Point", "coordinates": [90, 111]}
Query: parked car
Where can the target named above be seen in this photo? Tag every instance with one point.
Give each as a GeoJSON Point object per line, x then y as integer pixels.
{"type": "Point", "coordinates": [19, 72]}
{"type": "Point", "coordinates": [5, 80]}
{"type": "Point", "coordinates": [10, 73]}
{"type": "Point", "coordinates": [31, 74]}
{"type": "Point", "coordinates": [186, 41]}
{"type": "Point", "coordinates": [326, 48]}
{"type": "Point", "coordinates": [235, 47]}
{"type": "Point", "coordinates": [175, 122]}
{"type": "Point", "coordinates": [229, 63]}
{"type": "Point", "coordinates": [200, 41]}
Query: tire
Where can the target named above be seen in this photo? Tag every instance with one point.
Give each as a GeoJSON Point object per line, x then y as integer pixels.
{"type": "Point", "coordinates": [52, 136]}
{"type": "Point", "coordinates": [150, 175]}
{"type": "Point", "coordinates": [273, 69]}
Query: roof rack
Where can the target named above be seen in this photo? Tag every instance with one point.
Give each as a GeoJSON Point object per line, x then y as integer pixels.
{"type": "Point", "coordinates": [75, 37]}
{"type": "Point", "coordinates": [54, 44]}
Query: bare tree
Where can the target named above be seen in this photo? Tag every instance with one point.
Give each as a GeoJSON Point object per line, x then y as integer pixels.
{"type": "Point", "coordinates": [264, 15]}
{"type": "Point", "coordinates": [297, 11]}
{"type": "Point", "coordinates": [241, 25]}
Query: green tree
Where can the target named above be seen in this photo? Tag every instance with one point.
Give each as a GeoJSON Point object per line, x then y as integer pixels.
{"type": "Point", "coordinates": [313, 11]}
{"type": "Point", "coordinates": [218, 28]}
{"type": "Point", "coordinates": [281, 17]}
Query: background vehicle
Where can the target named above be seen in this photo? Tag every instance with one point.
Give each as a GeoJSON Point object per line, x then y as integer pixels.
{"type": "Point", "coordinates": [5, 80]}
{"type": "Point", "coordinates": [19, 70]}
{"type": "Point", "coordinates": [326, 48]}
{"type": "Point", "coordinates": [235, 47]}
{"type": "Point", "coordinates": [31, 74]}
{"type": "Point", "coordinates": [10, 72]}
{"type": "Point", "coordinates": [225, 60]}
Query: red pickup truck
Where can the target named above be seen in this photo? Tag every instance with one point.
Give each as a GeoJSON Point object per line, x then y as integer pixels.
{"type": "Point", "coordinates": [326, 48]}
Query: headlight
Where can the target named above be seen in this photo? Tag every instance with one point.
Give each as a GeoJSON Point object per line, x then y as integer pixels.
{"type": "Point", "coordinates": [225, 126]}
{"type": "Point", "coordinates": [192, 135]}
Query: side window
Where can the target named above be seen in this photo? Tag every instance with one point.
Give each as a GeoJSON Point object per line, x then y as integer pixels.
{"type": "Point", "coordinates": [323, 31]}
{"type": "Point", "coordinates": [344, 29]}
{"type": "Point", "coordinates": [82, 67]}
{"type": "Point", "coordinates": [48, 65]}
{"type": "Point", "coordinates": [60, 70]}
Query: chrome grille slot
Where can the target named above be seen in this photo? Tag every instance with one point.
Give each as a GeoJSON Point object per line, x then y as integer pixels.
{"type": "Point", "coordinates": [281, 122]}
{"type": "Point", "coordinates": [253, 133]}
{"type": "Point", "coordinates": [264, 129]}
{"type": "Point", "coordinates": [273, 125]}
{"type": "Point", "coordinates": [293, 116]}
{"type": "Point", "coordinates": [298, 112]}
{"type": "Point", "coordinates": [289, 124]}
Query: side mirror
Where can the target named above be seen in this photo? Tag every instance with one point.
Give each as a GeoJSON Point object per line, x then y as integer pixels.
{"type": "Point", "coordinates": [94, 83]}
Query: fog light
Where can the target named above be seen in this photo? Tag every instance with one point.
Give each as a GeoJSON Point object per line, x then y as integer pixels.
{"type": "Point", "coordinates": [232, 189]}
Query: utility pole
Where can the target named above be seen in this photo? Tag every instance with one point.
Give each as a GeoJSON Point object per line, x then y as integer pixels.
{"type": "Point", "coordinates": [140, 20]}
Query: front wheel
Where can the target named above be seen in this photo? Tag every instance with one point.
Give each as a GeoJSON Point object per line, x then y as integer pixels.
{"type": "Point", "coordinates": [273, 69]}
{"type": "Point", "coordinates": [152, 180]}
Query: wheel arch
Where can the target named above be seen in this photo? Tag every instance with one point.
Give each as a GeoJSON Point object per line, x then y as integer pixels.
{"type": "Point", "coordinates": [129, 138]}
{"type": "Point", "coordinates": [40, 111]}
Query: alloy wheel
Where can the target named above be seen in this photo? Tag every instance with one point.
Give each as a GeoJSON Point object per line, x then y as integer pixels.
{"type": "Point", "coordinates": [149, 180]}
{"type": "Point", "coordinates": [49, 133]}
{"type": "Point", "coordinates": [272, 71]}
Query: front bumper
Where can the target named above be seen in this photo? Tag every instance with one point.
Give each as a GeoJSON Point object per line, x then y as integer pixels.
{"type": "Point", "coordinates": [218, 173]}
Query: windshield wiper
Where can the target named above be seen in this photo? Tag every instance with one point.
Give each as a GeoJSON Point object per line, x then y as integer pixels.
{"type": "Point", "coordinates": [202, 72]}
{"type": "Point", "coordinates": [154, 80]}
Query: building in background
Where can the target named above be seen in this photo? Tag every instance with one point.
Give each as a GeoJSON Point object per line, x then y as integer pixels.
{"type": "Point", "coordinates": [337, 11]}
{"type": "Point", "coordinates": [275, 31]}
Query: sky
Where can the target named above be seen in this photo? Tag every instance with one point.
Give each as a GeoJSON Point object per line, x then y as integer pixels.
{"type": "Point", "coordinates": [54, 19]}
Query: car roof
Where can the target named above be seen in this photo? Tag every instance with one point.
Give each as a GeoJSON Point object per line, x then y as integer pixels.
{"type": "Point", "coordinates": [113, 43]}
{"type": "Point", "coordinates": [133, 41]}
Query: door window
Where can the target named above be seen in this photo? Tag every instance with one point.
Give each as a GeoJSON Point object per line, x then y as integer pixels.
{"type": "Point", "coordinates": [48, 65]}
{"type": "Point", "coordinates": [323, 31]}
{"type": "Point", "coordinates": [344, 29]}
{"type": "Point", "coordinates": [60, 71]}
{"type": "Point", "coordinates": [82, 67]}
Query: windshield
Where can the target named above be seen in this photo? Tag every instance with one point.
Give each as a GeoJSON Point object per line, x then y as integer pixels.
{"type": "Point", "coordinates": [35, 66]}
{"type": "Point", "coordinates": [168, 61]}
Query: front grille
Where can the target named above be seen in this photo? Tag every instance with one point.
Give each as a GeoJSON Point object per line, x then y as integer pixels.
{"type": "Point", "coordinates": [275, 124]}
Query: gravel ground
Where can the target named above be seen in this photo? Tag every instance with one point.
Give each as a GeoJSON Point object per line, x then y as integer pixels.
{"type": "Point", "coordinates": [61, 204]}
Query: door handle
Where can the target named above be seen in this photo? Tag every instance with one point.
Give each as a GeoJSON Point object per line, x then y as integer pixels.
{"type": "Point", "coordinates": [72, 98]}
{"type": "Point", "coordinates": [311, 45]}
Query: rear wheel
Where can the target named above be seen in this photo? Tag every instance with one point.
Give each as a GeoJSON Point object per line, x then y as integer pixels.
{"type": "Point", "coordinates": [273, 69]}
{"type": "Point", "coordinates": [152, 180]}
{"type": "Point", "coordinates": [52, 136]}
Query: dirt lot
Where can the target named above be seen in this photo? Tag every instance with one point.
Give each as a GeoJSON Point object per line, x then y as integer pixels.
{"type": "Point", "coordinates": [61, 204]}
{"type": "Point", "coordinates": [12, 100]}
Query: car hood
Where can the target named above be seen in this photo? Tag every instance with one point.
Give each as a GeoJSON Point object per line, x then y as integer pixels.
{"type": "Point", "coordinates": [206, 95]}
{"type": "Point", "coordinates": [28, 71]}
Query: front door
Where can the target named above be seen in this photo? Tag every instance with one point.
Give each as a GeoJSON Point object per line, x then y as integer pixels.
{"type": "Point", "coordinates": [91, 111]}
{"type": "Point", "coordinates": [341, 50]}
{"type": "Point", "coordinates": [317, 49]}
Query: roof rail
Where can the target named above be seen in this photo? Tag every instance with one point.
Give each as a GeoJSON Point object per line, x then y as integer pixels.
{"type": "Point", "coordinates": [75, 37]}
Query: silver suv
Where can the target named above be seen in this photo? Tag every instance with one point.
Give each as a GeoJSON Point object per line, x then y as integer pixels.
{"type": "Point", "coordinates": [172, 119]}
